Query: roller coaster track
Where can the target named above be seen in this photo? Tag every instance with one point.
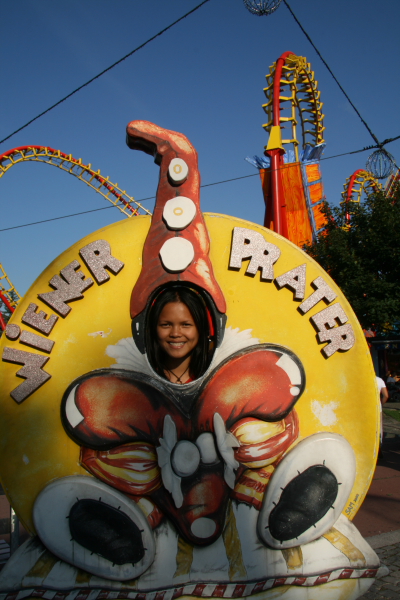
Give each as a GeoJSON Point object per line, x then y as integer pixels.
{"type": "Point", "coordinates": [292, 96]}
{"type": "Point", "coordinates": [392, 184]}
{"type": "Point", "coordinates": [9, 298]}
{"type": "Point", "coordinates": [110, 191]}
{"type": "Point", "coordinates": [360, 183]}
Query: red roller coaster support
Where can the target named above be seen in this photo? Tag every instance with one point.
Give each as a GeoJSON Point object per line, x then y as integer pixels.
{"type": "Point", "coordinates": [2, 323]}
{"type": "Point", "coordinates": [276, 155]}
{"type": "Point", "coordinates": [350, 191]}
{"type": "Point", "coordinates": [4, 299]}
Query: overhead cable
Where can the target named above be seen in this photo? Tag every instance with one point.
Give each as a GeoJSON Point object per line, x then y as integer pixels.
{"type": "Point", "coordinates": [378, 143]}
{"type": "Point", "coordinates": [85, 212]}
{"type": "Point", "coordinates": [105, 70]}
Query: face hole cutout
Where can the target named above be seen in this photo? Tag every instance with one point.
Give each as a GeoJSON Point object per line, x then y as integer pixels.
{"type": "Point", "coordinates": [171, 341]}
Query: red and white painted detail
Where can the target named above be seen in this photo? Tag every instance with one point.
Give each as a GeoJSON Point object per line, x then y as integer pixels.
{"type": "Point", "coordinates": [203, 590]}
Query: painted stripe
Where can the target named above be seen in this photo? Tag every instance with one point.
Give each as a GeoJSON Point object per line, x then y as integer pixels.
{"type": "Point", "coordinates": [205, 590]}
{"type": "Point", "coordinates": [233, 547]}
{"type": "Point", "coordinates": [198, 590]}
{"type": "Point", "coordinates": [42, 567]}
{"type": "Point", "coordinates": [239, 590]}
{"type": "Point", "coordinates": [346, 547]}
{"type": "Point", "coordinates": [184, 558]}
{"type": "Point", "coordinates": [322, 579]}
{"type": "Point", "coordinates": [293, 557]}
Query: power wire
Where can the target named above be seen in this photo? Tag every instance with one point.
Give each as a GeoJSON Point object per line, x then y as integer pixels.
{"type": "Point", "coordinates": [85, 212]}
{"type": "Point", "coordinates": [58, 218]}
{"type": "Point", "coordinates": [105, 70]}
{"type": "Point", "coordinates": [387, 141]}
{"type": "Point", "coordinates": [378, 143]}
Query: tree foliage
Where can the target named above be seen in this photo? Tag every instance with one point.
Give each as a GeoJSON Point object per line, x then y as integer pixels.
{"type": "Point", "coordinates": [363, 258]}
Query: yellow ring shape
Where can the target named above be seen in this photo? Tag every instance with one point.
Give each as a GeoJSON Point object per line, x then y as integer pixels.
{"type": "Point", "coordinates": [340, 394]}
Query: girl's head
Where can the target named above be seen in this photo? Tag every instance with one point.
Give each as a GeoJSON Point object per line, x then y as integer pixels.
{"type": "Point", "coordinates": [185, 306]}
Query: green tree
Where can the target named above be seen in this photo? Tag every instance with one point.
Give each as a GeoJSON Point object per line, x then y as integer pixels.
{"type": "Point", "coordinates": [363, 257]}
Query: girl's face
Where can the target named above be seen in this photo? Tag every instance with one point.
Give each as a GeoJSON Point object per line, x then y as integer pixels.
{"type": "Point", "coordinates": [176, 330]}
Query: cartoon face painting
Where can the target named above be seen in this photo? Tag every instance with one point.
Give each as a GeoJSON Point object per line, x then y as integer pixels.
{"type": "Point", "coordinates": [208, 452]}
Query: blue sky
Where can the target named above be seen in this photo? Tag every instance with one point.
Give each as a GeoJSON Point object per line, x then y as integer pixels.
{"type": "Point", "coordinates": [204, 78]}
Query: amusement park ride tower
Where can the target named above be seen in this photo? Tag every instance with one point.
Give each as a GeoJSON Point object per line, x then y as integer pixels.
{"type": "Point", "coordinates": [292, 183]}
{"type": "Point", "coordinates": [290, 171]}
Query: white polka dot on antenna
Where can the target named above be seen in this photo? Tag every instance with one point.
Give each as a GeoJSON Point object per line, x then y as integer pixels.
{"type": "Point", "coordinates": [179, 212]}
{"type": "Point", "coordinates": [178, 170]}
{"type": "Point", "coordinates": [176, 254]}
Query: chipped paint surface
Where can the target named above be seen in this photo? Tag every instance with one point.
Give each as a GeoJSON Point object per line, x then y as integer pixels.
{"type": "Point", "coordinates": [325, 413]}
{"type": "Point", "coordinates": [102, 334]}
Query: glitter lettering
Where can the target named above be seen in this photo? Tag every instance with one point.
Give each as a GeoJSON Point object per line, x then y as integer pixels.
{"type": "Point", "coordinates": [322, 292]}
{"type": "Point", "coordinates": [251, 244]}
{"type": "Point", "coordinates": [67, 289]}
{"type": "Point", "coordinates": [39, 320]}
{"type": "Point", "coordinates": [32, 371]}
{"type": "Point", "coordinates": [97, 256]}
{"type": "Point", "coordinates": [295, 279]}
{"type": "Point", "coordinates": [332, 327]}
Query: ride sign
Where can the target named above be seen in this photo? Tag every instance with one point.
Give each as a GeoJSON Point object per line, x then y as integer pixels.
{"type": "Point", "coordinates": [241, 482]}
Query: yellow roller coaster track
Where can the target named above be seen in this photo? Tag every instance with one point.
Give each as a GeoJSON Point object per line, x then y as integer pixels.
{"type": "Point", "coordinates": [360, 183]}
{"type": "Point", "coordinates": [7, 289]}
{"type": "Point", "coordinates": [110, 191]}
{"type": "Point", "coordinates": [292, 91]}
{"type": "Point", "coordinates": [9, 299]}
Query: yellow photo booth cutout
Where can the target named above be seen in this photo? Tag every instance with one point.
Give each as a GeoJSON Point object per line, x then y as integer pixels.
{"type": "Point", "coordinates": [286, 300]}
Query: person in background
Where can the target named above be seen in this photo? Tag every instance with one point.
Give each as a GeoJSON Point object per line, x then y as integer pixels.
{"type": "Point", "coordinates": [383, 393]}
{"type": "Point", "coordinates": [389, 378]}
{"type": "Point", "coordinates": [383, 396]}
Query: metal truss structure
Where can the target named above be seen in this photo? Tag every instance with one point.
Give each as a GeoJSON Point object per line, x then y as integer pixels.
{"type": "Point", "coordinates": [358, 185]}
{"type": "Point", "coordinates": [392, 184]}
{"type": "Point", "coordinates": [292, 93]}
{"type": "Point", "coordinates": [9, 298]}
{"type": "Point", "coordinates": [66, 162]}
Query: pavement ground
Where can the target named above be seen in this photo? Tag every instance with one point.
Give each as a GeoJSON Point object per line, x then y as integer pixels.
{"type": "Point", "coordinates": [378, 519]}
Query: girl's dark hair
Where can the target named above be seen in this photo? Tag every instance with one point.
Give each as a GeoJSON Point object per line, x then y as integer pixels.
{"type": "Point", "coordinates": [201, 355]}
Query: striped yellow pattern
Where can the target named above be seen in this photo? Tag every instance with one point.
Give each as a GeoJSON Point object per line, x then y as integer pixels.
{"type": "Point", "coordinates": [237, 570]}
{"type": "Point", "coordinates": [293, 557]}
{"type": "Point", "coordinates": [184, 558]}
{"type": "Point", "coordinates": [255, 431]}
{"type": "Point", "coordinates": [344, 545]}
{"type": "Point", "coordinates": [252, 484]}
{"type": "Point", "coordinates": [42, 567]}
{"type": "Point", "coordinates": [133, 468]}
